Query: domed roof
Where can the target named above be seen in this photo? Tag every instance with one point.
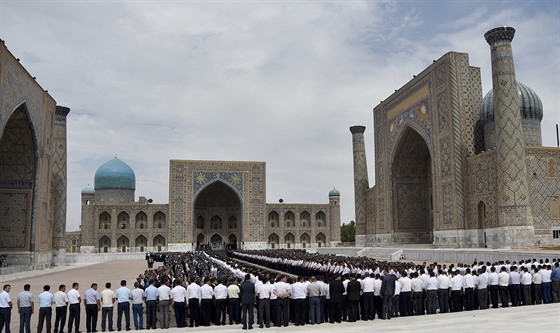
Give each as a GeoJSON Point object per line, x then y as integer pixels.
{"type": "Point", "coordinates": [530, 104]}
{"type": "Point", "coordinates": [115, 174]}
{"type": "Point", "coordinates": [334, 193]}
{"type": "Point", "coordinates": [88, 190]}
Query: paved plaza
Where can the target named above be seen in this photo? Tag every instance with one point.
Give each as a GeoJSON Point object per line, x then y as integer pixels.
{"type": "Point", "coordinates": [538, 318]}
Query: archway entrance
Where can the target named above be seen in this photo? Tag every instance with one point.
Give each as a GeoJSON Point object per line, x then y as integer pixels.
{"type": "Point", "coordinates": [17, 180]}
{"type": "Point", "coordinates": [412, 190]}
{"type": "Point", "coordinates": [219, 205]}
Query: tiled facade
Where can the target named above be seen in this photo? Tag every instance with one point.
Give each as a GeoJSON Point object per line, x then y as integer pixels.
{"type": "Point", "coordinates": [217, 203]}
{"type": "Point", "coordinates": [435, 180]}
{"type": "Point", "coordinates": [32, 168]}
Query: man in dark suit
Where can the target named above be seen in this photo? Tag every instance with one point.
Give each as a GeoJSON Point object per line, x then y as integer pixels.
{"type": "Point", "coordinates": [247, 294]}
{"type": "Point", "coordinates": [387, 292]}
{"type": "Point", "coordinates": [336, 289]}
{"type": "Point", "coordinates": [353, 290]}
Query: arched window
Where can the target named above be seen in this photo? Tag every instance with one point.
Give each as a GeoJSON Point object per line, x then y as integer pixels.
{"type": "Point", "coordinates": [232, 222]}
{"type": "Point", "coordinates": [289, 219]}
{"type": "Point", "coordinates": [124, 220]}
{"type": "Point", "coordinates": [200, 222]}
{"type": "Point", "coordinates": [320, 218]}
{"type": "Point", "coordinates": [273, 219]}
{"type": "Point", "coordinates": [304, 218]}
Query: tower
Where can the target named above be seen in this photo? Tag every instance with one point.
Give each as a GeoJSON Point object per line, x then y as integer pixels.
{"type": "Point", "coordinates": [58, 181]}
{"type": "Point", "coordinates": [515, 220]}
{"type": "Point", "coordinates": [361, 183]}
{"type": "Point", "coordinates": [334, 216]}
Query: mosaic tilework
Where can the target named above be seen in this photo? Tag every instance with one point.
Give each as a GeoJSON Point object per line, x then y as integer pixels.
{"type": "Point", "coordinates": [202, 178]}
{"type": "Point", "coordinates": [15, 221]}
{"type": "Point", "coordinates": [361, 182]}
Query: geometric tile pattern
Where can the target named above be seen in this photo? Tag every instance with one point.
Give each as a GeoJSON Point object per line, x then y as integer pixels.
{"type": "Point", "coordinates": [361, 182]}
{"type": "Point", "coordinates": [15, 210]}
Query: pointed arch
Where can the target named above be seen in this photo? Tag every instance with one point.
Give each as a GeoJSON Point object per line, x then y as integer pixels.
{"type": "Point", "coordinates": [321, 239]}
{"type": "Point", "coordinates": [304, 218]}
{"type": "Point", "coordinates": [289, 219]}
{"type": "Point", "coordinates": [159, 243]}
{"type": "Point", "coordinates": [104, 220]}
{"type": "Point", "coordinates": [141, 243]}
{"type": "Point", "coordinates": [289, 240]}
{"type": "Point", "coordinates": [200, 223]}
{"type": "Point", "coordinates": [216, 240]}
{"type": "Point", "coordinates": [273, 240]}
{"type": "Point", "coordinates": [123, 220]}
{"type": "Point", "coordinates": [18, 168]}
{"type": "Point", "coordinates": [123, 244]}
{"type": "Point", "coordinates": [159, 220]}
{"type": "Point", "coordinates": [320, 218]}
{"type": "Point", "coordinates": [232, 222]}
{"type": "Point", "coordinates": [232, 238]}
{"type": "Point", "coordinates": [216, 222]}
{"type": "Point", "coordinates": [304, 240]}
{"type": "Point", "coordinates": [141, 220]}
{"type": "Point", "coordinates": [104, 244]}
{"type": "Point", "coordinates": [200, 238]}
{"type": "Point", "coordinates": [274, 219]}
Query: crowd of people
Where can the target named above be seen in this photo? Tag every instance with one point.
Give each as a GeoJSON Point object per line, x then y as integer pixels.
{"type": "Point", "coordinates": [282, 287]}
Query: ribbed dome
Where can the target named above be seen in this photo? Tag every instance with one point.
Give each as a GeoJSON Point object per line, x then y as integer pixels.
{"type": "Point", "coordinates": [88, 190]}
{"type": "Point", "coordinates": [334, 193]}
{"type": "Point", "coordinates": [115, 174]}
{"type": "Point", "coordinates": [530, 104]}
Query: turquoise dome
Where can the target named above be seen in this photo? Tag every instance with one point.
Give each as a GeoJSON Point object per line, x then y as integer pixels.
{"type": "Point", "coordinates": [334, 193]}
{"type": "Point", "coordinates": [115, 174]}
{"type": "Point", "coordinates": [530, 105]}
{"type": "Point", "coordinates": [88, 190]}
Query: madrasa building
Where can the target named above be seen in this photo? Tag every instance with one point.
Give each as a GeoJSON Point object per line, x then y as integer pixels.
{"type": "Point", "coordinates": [454, 168]}
{"type": "Point", "coordinates": [32, 171]}
{"type": "Point", "coordinates": [212, 204]}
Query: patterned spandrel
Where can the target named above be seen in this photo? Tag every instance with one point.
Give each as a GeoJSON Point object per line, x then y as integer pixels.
{"type": "Point", "coordinates": [203, 178]}
{"type": "Point", "coordinates": [15, 220]}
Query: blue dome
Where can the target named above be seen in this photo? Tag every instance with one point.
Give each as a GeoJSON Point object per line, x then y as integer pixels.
{"type": "Point", "coordinates": [115, 174]}
{"type": "Point", "coordinates": [88, 190]}
{"type": "Point", "coordinates": [334, 193]}
{"type": "Point", "coordinates": [530, 105]}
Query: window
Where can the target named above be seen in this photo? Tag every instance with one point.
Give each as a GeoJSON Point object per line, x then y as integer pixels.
{"type": "Point", "coordinates": [556, 234]}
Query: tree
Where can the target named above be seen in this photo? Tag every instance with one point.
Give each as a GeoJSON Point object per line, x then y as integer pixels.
{"type": "Point", "coordinates": [348, 232]}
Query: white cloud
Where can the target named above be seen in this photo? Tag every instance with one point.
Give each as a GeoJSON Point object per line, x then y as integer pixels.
{"type": "Point", "coordinates": [279, 82]}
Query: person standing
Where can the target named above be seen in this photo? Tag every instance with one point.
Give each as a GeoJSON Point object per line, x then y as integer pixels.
{"type": "Point", "coordinates": [206, 299]}
{"type": "Point", "coordinates": [314, 297]}
{"type": "Point", "coordinates": [61, 307]}
{"type": "Point", "coordinates": [193, 298]}
{"type": "Point", "coordinates": [299, 292]}
{"type": "Point", "coordinates": [233, 302]}
{"type": "Point", "coordinates": [432, 291]}
{"type": "Point", "coordinates": [92, 303]}
{"type": "Point", "coordinates": [5, 308]}
{"type": "Point", "coordinates": [493, 280]}
{"type": "Point", "coordinates": [74, 300]}
{"type": "Point", "coordinates": [555, 282]}
{"type": "Point", "coordinates": [26, 307]}
{"type": "Point", "coordinates": [179, 296]}
{"type": "Point", "coordinates": [151, 305]}
{"type": "Point", "coordinates": [282, 291]}
{"type": "Point", "coordinates": [263, 293]}
{"type": "Point", "coordinates": [107, 304]}
{"type": "Point", "coordinates": [248, 299]}
{"type": "Point", "coordinates": [123, 305]}
{"type": "Point", "coordinates": [220, 294]}
{"type": "Point", "coordinates": [164, 300]}
{"type": "Point", "coordinates": [336, 291]}
{"type": "Point", "coordinates": [45, 309]}
{"type": "Point", "coordinates": [137, 296]}
{"type": "Point", "coordinates": [353, 289]}
{"type": "Point", "coordinates": [482, 289]}
{"type": "Point", "coordinates": [388, 292]}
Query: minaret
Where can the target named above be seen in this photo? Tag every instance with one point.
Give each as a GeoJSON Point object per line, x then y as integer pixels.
{"type": "Point", "coordinates": [515, 218]}
{"type": "Point", "coordinates": [361, 183]}
{"type": "Point", "coordinates": [59, 181]}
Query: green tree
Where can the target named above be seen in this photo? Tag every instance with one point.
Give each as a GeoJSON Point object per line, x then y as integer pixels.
{"type": "Point", "coordinates": [348, 232]}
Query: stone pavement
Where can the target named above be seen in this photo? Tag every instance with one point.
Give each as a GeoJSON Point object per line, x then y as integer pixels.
{"type": "Point", "coordinates": [538, 318]}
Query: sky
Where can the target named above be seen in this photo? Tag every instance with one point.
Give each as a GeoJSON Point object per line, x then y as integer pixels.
{"type": "Point", "coordinates": [273, 81]}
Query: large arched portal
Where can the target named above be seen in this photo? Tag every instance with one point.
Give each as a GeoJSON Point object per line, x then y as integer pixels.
{"type": "Point", "coordinates": [412, 190]}
{"type": "Point", "coordinates": [218, 203]}
{"type": "Point", "coordinates": [17, 180]}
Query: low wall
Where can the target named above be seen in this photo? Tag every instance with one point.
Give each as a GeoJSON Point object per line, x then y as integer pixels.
{"type": "Point", "coordinates": [72, 258]}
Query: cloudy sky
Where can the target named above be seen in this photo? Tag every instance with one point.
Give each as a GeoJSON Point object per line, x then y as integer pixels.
{"type": "Point", "coordinates": [273, 81]}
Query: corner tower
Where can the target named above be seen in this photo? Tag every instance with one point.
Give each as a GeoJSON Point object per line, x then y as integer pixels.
{"type": "Point", "coordinates": [361, 183]}
{"type": "Point", "coordinates": [515, 219]}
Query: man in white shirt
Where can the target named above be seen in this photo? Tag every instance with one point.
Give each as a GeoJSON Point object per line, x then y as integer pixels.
{"type": "Point", "coordinates": [444, 284]}
{"type": "Point", "coordinates": [367, 294]}
{"type": "Point", "coordinates": [61, 307]}
{"type": "Point", "coordinates": [92, 305]}
{"type": "Point", "coordinates": [206, 295]}
{"type": "Point", "coordinates": [123, 295]}
{"type": "Point", "coordinates": [482, 288]}
{"type": "Point", "coordinates": [220, 294]}
{"type": "Point", "coordinates": [45, 309]}
{"type": "Point", "coordinates": [107, 304]}
{"type": "Point", "coordinates": [26, 307]}
{"type": "Point", "coordinates": [526, 282]}
{"type": "Point", "coordinates": [282, 291]}
{"type": "Point", "coordinates": [194, 297]}
{"type": "Point", "coordinates": [263, 293]}
{"type": "Point", "coordinates": [164, 296]}
{"type": "Point", "coordinates": [503, 283]}
{"type": "Point", "coordinates": [493, 288]}
{"type": "Point", "coordinates": [233, 302]}
{"type": "Point", "coordinates": [179, 296]}
{"type": "Point", "coordinates": [5, 308]}
{"type": "Point", "coordinates": [299, 291]}
{"type": "Point", "coordinates": [137, 297]}
{"type": "Point", "coordinates": [417, 294]}
{"type": "Point", "coordinates": [456, 291]}
{"type": "Point", "coordinates": [468, 285]}
{"type": "Point", "coordinates": [74, 300]}
{"type": "Point", "coordinates": [406, 295]}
